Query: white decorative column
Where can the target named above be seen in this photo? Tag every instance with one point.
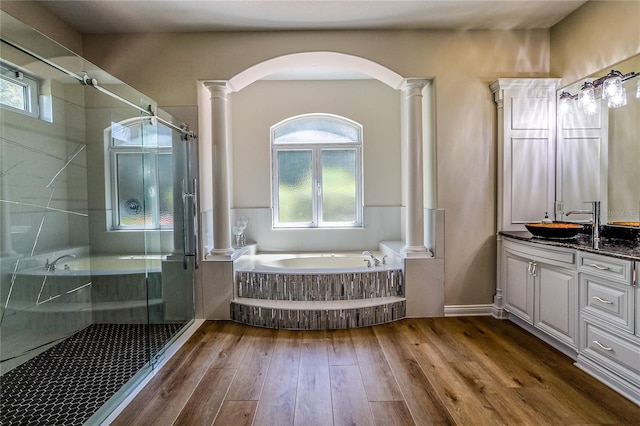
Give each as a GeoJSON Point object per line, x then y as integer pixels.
{"type": "Point", "coordinates": [220, 160]}
{"type": "Point", "coordinates": [412, 122]}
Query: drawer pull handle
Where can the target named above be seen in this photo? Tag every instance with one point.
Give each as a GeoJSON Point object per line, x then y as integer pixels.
{"type": "Point", "coordinates": [602, 346]}
{"type": "Point", "coordinates": [602, 268]}
{"type": "Point", "coordinates": [608, 302]}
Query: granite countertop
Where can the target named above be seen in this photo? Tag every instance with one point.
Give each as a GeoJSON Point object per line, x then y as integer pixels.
{"type": "Point", "coordinates": [614, 247]}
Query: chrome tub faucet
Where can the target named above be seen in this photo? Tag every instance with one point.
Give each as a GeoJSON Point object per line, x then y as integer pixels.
{"type": "Point", "coordinates": [375, 260]}
{"type": "Point", "coordinates": [52, 266]}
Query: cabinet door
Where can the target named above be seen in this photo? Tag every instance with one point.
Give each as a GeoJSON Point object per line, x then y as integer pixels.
{"type": "Point", "coordinates": [556, 302]}
{"type": "Point", "coordinates": [518, 286]}
{"type": "Point", "coordinates": [530, 179]}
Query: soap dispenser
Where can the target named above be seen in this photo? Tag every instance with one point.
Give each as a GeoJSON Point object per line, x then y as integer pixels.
{"type": "Point", "coordinates": [546, 218]}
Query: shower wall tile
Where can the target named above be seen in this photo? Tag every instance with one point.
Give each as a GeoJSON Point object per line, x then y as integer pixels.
{"type": "Point", "coordinates": [44, 183]}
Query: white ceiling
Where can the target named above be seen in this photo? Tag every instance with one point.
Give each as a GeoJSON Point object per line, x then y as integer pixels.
{"type": "Point", "coordinates": [137, 16]}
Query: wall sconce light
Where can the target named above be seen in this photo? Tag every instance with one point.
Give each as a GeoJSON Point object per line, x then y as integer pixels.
{"type": "Point", "coordinates": [611, 88]}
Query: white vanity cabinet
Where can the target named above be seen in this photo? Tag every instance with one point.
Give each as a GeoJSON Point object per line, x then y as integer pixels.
{"type": "Point", "coordinates": [540, 286]}
{"type": "Point", "coordinates": [609, 343]}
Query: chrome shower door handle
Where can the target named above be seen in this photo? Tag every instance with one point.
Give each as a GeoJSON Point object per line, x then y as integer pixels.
{"type": "Point", "coordinates": [190, 222]}
{"type": "Point", "coordinates": [195, 227]}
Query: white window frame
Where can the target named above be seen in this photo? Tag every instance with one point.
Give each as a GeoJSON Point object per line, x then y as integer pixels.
{"type": "Point", "coordinates": [114, 152]}
{"type": "Point", "coordinates": [29, 86]}
{"type": "Point", "coordinates": [316, 148]}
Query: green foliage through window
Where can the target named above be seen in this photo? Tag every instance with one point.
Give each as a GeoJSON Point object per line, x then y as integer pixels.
{"type": "Point", "coordinates": [317, 172]}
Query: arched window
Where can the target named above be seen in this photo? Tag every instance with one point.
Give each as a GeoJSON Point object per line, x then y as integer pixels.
{"type": "Point", "coordinates": [316, 172]}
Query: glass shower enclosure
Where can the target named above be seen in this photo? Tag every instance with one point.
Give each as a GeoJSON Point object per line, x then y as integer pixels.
{"type": "Point", "coordinates": [97, 233]}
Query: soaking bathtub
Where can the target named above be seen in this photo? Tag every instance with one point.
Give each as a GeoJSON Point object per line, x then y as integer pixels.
{"type": "Point", "coordinates": [313, 263]}
{"type": "Point", "coordinates": [317, 290]}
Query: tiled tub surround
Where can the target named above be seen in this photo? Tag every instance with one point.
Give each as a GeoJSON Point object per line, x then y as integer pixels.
{"type": "Point", "coordinates": [319, 286]}
{"type": "Point", "coordinates": [316, 291]}
{"type": "Point", "coordinates": [310, 316]}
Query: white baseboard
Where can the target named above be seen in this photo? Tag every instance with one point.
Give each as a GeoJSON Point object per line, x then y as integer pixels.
{"type": "Point", "coordinates": [468, 310]}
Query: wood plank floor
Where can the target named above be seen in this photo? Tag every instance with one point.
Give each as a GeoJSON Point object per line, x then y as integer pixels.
{"type": "Point", "coordinates": [463, 371]}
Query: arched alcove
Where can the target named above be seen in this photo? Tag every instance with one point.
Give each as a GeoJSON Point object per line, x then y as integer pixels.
{"type": "Point", "coordinates": [416, 212]}
{"type": "Point", "coordinates": [316, 59]}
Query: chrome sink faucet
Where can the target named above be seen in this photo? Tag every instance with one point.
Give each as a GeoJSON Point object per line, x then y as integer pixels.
{"type": "Point", "coordinates": [52, 266]}
{"type": "Point", "coordinates": [595, 221]}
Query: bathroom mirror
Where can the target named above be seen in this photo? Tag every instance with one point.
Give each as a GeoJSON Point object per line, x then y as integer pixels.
{"type": "Point", "coordinates": [598, 153]}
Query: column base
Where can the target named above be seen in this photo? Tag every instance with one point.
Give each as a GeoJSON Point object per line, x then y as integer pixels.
{"type": "Point", "coordinates": [221, 254]}
{"type": "Point", "coordinates": [417, 252]}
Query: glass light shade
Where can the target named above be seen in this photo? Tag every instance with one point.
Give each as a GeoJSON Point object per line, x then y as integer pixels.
{"type": "Point", "coordinates": [587, 95]}
{"type": "Point", "coordinates": [611, 87]}
{"type": "Point", "coordinates": [618, 99]}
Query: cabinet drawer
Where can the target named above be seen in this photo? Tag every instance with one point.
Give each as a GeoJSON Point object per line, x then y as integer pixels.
{"type": "Point", "coordinates": [611, 268]}
{"type": "Point", "coordinates": [557, 256]}
{"type": "Point", "coordinates": [613, 350]}
{"type": "Point", "coordinates": [608, 301]}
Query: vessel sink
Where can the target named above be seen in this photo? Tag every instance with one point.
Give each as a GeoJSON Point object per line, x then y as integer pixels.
{"type": "Point", "coordinates": [634, 224]}
{"type": "Point", "coordinates": [555, 230]}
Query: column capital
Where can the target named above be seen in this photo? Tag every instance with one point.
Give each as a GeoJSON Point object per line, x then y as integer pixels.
{"type": "Point", "coordinates": [218, 88]}
{"type": "Point", "coordinates": [410, 84]}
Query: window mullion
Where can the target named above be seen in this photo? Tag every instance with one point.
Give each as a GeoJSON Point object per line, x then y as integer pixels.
{"type": "Point", "coordinates": [317, 193]}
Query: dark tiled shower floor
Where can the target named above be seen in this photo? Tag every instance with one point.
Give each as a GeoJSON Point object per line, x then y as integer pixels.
{"type": "Point", "coordinates": [69, 382]}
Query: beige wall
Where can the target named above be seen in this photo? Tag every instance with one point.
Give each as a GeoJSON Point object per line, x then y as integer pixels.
{"type": "Point", "coordinates": [595, 36]}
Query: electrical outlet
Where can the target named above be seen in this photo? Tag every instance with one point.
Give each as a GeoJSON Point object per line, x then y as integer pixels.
{"type": "Point", "coordinates": [559, 208]}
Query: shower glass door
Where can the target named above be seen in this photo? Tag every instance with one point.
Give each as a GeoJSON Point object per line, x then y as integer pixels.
{"type": "Point", "coordinates": [168, 209]}
{"type": "Point", "coordinates": [94, 277]}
